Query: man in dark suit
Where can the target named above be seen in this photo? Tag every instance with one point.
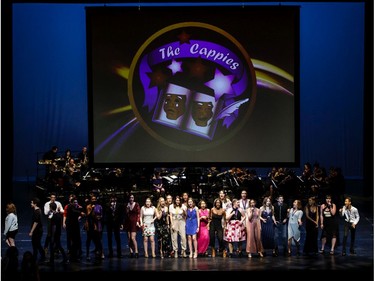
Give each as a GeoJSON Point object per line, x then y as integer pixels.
{"type": "Point", "coordinates": [114, 212]}
{"type": "Point", "coordinates": [55, 231]}
{"type": "Point", "coordinates": [51, 154]}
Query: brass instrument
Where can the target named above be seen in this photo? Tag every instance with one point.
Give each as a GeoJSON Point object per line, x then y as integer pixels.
{"type": "Point", "coordinates": [44, 162]}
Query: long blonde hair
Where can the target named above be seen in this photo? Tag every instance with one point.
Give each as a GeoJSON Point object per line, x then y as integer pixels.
{"type": "Point", "coordinates": [158, 205]}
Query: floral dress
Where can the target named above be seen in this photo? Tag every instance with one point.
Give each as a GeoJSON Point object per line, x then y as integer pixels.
{"type": "Point", "coordinates": [235, 229]}
{"type": "Point", "coordinates": [163, 233]}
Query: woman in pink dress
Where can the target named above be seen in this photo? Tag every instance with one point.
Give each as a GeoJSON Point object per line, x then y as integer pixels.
{"type": "Point", "coordinates": [203, 237]}
{"type": "Point", "coordinates": [253, 229]}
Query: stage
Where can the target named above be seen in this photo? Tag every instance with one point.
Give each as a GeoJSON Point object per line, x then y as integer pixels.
{"type": "Point", "coordinates": [354, 265]}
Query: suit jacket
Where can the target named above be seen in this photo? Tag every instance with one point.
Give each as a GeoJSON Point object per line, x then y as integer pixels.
{"type": "Point", "coordinates": [114, 216]}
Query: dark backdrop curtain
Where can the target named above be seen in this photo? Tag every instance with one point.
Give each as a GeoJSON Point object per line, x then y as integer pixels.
{"type": "Point", "coordinates": [50, 88]}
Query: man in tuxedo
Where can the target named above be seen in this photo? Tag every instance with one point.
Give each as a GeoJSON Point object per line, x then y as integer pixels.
{"type": "Point", "coordinates": [114, 212]}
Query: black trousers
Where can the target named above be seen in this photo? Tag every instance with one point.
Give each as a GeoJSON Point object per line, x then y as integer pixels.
{"type": "Point", "coordinates": [114, 230]}
{"type": "Point", "coordinates": [348, 228]}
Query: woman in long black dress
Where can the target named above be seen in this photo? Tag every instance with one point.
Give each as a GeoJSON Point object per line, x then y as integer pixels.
{"type": "Point", "coordinates": [267, 219]}
{"type": "Point", "coordinates": [312, 227]}
{"type": "Point", "coordinates": [162, 228]}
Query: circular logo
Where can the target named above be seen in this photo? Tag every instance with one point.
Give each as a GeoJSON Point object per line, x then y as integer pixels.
{"type": "Point", "coordinates": [192, 85]}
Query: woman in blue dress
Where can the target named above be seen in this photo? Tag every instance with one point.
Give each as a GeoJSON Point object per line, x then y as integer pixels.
{"type": "Point", "coordinates": [192, 227]}
{"type": "Point", "coordinates": [294, 223]}
{"type": "Point", "coordinates": [268, 221]}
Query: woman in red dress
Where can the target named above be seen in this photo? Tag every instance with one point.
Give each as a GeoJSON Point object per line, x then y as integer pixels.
{"type": "Point", "coordinates": [132, 224]}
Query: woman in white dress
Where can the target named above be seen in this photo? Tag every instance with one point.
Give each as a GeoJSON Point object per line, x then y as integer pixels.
{"type": "Point", "coordinates": [148, 215]}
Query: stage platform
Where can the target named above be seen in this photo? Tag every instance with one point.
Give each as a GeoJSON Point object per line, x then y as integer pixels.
{"type": "Point", "coordinates": [350, 265]}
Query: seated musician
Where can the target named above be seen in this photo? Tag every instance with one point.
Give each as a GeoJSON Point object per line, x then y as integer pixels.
{"type": "Point", "coordinates": [49, 158]}
{"type": "Point", "coordinates": [51, 154]}
{"type": "Point", "coordinates": [71, 178]}
{"type": "Point", "coordinates": [157, 183]}
{"type": "Point", "coordinates": [83, 161]}
{"type": "Point", "coordinates": [67, 156]}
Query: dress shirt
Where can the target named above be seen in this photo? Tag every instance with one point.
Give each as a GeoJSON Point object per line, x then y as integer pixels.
{"type": "Point", "coordinates": [351, 215]}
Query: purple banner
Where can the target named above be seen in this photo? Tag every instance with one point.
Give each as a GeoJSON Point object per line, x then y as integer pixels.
{"type": "Point", "coordinates": [196, 49]}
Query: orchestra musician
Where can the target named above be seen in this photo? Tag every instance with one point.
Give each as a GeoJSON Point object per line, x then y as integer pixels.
{"type": "Point", "coordinates": [83, 159]}
{"type": "Point", "coordinates": [51, 154]}
{"type": "Point", "coordinates": [49, 158]}
{"type": "Point", "coordinates": [67, 156]}
{"type": "Point", "coordinates": [233, 175]}
{"type": "Point", "coordinates": [71, 175]}
{"type": "Point", "coordinates": [157, 184]}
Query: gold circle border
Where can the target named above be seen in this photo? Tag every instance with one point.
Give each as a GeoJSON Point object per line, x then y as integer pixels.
{"type": "Point", "coordinates": [212, 28]}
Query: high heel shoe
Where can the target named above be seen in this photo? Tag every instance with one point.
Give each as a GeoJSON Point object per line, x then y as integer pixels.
{"type": "Point", "coordinates": [195, 255]}
{"type": "Point", "coordinates": [261, 254]}
{"type": "Point", "coordinates": [225, 254]}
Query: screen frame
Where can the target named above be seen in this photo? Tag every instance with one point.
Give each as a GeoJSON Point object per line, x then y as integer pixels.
{"type": "Point", "coordinates": [294, 163]}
